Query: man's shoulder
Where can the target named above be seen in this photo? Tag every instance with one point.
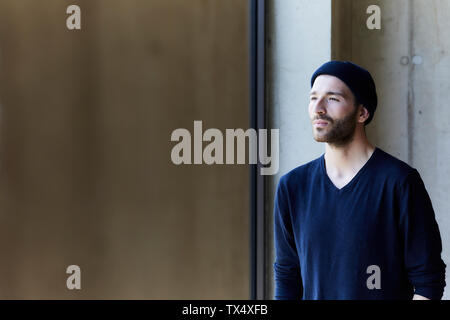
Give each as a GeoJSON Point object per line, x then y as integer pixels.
{"type": "Point", "coordinates": [389, 166]}
{"type": "Point", "coordinates": [302, 173]}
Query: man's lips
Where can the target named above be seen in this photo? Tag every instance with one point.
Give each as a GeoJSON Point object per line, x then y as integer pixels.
{"type": "Point", "coordinates": [320, 123]}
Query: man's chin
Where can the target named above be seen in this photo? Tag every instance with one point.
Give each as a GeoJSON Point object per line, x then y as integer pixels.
{"type": "Point", "coordinates": [319, 135]}
{"type": "Point", "coordinates": [320, 138]}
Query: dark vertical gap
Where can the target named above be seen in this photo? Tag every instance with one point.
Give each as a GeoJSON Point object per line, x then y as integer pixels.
{"type": "Point", "coordinates": [252, 42]}
{"type": "Point", "coordinates": [261, 123]}
{"type": "Point", "coordinates": [268, 180]}
{"type": "Point", "coordinates": [257, 121]}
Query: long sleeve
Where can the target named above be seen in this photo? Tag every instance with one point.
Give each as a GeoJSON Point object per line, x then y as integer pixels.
{"type": "Point", "coordinates": [421, 239]}
{"type": "Point", "coordinates": [288, 284]}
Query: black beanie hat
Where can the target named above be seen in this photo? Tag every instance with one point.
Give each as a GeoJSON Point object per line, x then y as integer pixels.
{"type": "Point", "coordinates": [358, 79]}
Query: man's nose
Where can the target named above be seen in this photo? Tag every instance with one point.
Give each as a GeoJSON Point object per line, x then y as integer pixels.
{"type": "Point", "coordinates": [319, 106]}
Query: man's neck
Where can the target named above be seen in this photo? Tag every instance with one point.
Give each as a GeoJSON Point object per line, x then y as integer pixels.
{"type": "Point", "coordinates": [348, 159]}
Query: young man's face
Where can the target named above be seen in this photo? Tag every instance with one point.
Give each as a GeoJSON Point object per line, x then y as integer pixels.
{"type": "Point", "coordinates": [332, 111]}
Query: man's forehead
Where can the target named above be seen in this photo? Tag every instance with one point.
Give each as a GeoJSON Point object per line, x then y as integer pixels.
{"type": "Point", "coordinates": [328, 83]}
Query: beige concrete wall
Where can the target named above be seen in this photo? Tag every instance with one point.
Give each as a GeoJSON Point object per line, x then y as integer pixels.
{"type": "Point", "coordinates": [86, 174]}
{"type": "Point", "coordinates": [430, 123]}
{"type": "Point", "coordinates": [381, 52]}
{"type": "Point", "coordinates": [411, 121]}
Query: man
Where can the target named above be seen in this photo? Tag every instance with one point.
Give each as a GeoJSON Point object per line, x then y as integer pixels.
{"type": "Point", "coordinates": [355, 223]}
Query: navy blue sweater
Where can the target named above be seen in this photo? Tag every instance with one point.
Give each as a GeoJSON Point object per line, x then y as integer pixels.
{"type": "Point", "coordinates": [375, 238]}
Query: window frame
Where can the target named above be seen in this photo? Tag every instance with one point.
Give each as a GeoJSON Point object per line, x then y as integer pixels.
{"type": "Point", "coordinates": [258, 228]}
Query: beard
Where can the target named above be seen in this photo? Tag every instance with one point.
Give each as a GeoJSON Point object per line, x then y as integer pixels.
{"type": "Point", "coordinates": [338, 132]}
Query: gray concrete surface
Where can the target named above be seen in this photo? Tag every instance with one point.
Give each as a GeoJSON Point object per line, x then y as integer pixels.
{"type": "Point", "coordinates": [409, 59]}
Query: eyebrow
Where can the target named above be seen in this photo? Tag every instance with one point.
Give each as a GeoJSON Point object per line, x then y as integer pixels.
{"type": "Point", "coordinates": [334, 93]}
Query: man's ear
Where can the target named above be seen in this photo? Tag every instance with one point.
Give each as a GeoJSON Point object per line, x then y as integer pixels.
{"type": "Point", "coordinates": [363, 114]}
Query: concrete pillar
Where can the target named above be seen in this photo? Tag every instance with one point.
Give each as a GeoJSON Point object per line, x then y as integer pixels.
{"type": "Point", "coordinates": [409, 59]}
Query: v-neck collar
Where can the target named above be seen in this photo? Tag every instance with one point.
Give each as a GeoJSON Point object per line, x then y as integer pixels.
{"type": "Point", "coordinates": [353, 180]}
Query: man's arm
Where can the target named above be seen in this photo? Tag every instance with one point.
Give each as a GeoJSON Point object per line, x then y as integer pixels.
{"type": "Point", "coordinates": [419, 297]}
{"type": "Point", "coordinates": [288, 284]}
{"type": "Point", "coordinates": [421, 240]}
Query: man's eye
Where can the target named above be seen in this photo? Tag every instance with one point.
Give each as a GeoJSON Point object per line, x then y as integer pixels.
{"type": "Point", "coordinates": [334, 99]}
{"type": "Point", "coordinates": [313, 98]}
